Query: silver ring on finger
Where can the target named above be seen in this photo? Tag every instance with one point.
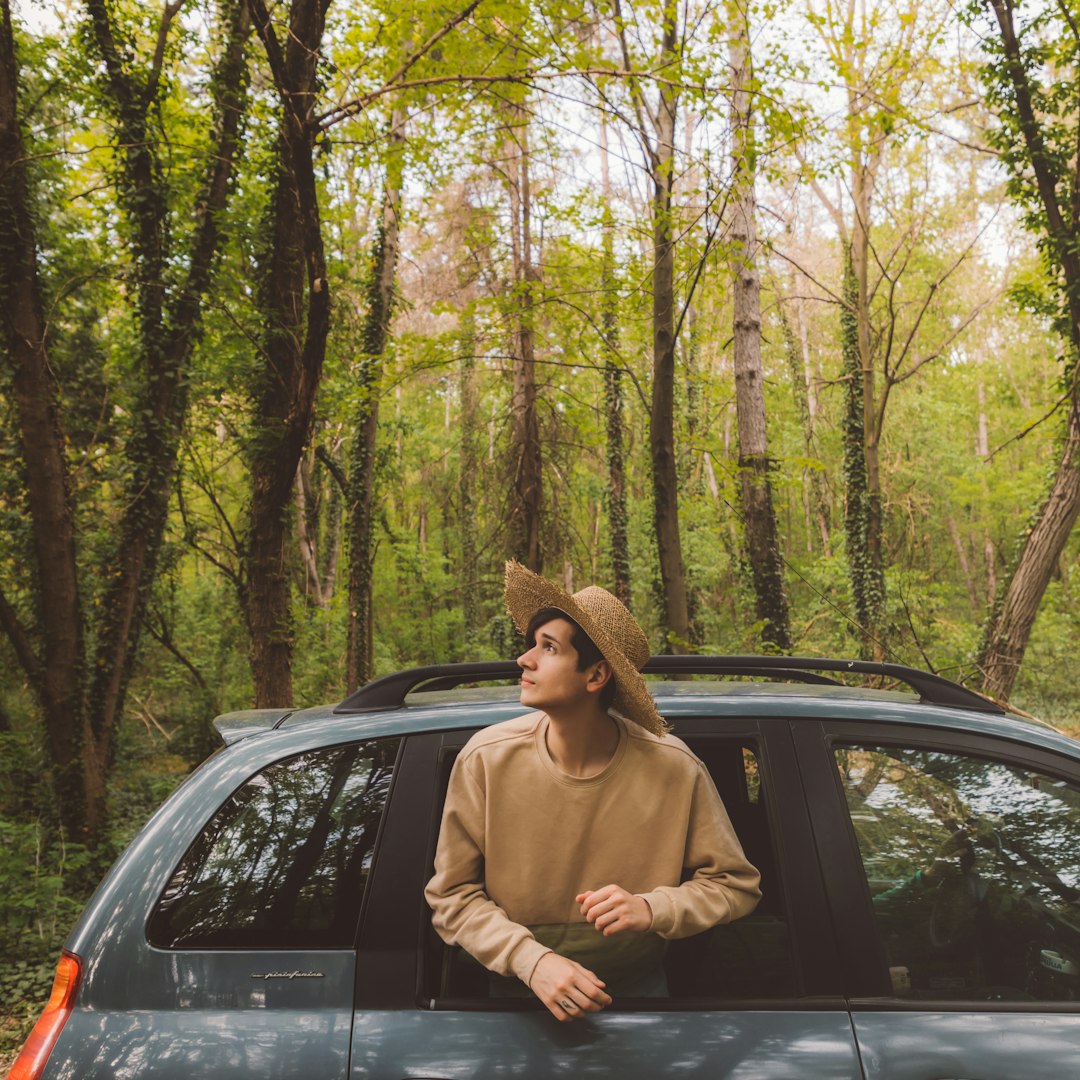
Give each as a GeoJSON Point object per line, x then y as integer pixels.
{"type": "Point", "coordinates": [567, 1004]}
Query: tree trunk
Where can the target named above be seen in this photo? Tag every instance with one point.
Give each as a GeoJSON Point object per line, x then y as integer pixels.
{"type": "Point", "coordinates": [762, 545]}
{"type": "Point", "coordinates": [375, 336]}
{"type": "Point", "coordinates": [526, 499]}
{"type": "Point", "coordinates": [797, 349]}
{"type": "Point", "coordinates": [470, 469]}
{"type": "Point", "coordinates": [54, 667]}
{"type": "Point", "coordinates": [1010, 625]}
{"type": "Point", "coordinates": [82, 698]}
{"type": "Point", "coordinates": [294, 299]}
{"type": "Point", "coordinates": [982, 449]}
{"type": "Point", "coordinates": [963, 561]}
{"type": "Point", "coordinates": [618, 519]}
{"type": "Point", "coordinates": [673, 599]}
{"type": "Point", "coordinates": [307, 532]}
{"type": "Point", "coordinates": [856, 493]}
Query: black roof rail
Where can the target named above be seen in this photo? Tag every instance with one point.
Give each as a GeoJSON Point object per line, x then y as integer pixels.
{"type": "Point", "coordinates": [390, 691]}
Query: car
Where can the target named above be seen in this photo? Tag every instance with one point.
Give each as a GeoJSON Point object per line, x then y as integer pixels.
{"type": "Point", "coordinates": [920, 859]}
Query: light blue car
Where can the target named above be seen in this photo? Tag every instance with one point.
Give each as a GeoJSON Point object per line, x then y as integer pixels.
{"type": "Point", "coordinates": [920, 860]}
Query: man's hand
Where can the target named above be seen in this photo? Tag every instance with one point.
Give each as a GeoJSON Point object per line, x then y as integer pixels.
{"type": "Point", "coordinates": [613, 910]}
{"type": "Point", "coordinates": [566, 988]}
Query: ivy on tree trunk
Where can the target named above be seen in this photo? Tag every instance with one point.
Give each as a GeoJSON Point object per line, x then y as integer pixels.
{"type": "Point", "coordinates": [374, 341]}
{"type": "Point", "coordinates": [1036, 139]}
{"type": "Point", "coordinates": [79, 662]}
{"type": "Point", "coordinates": [294, 297]}
{"type": "Point", "coordinates": [615, 494]}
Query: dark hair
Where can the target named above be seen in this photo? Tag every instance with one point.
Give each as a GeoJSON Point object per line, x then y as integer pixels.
{"type": "Point", "coordinates": [587, 652]}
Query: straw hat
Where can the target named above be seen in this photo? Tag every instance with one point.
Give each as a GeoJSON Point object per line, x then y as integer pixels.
{"type": "Point", "coordinates": [614, 631]}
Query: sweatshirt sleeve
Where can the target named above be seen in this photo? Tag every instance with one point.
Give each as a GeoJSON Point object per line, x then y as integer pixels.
{"type": "Point", "coordinates": [462, 912]}
{"type": "Point", "coordinates": [723, 886]}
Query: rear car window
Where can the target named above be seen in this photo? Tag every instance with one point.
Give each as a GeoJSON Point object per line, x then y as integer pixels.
{"type": "Point", "coordinates": [284, 862]}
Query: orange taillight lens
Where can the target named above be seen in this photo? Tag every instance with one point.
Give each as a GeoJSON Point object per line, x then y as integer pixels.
{"type": "Point", "coordinates": [35, 1052]}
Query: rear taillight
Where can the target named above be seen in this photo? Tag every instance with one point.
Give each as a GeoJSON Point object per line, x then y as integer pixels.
{"type": "Point", "coordinates": [35, 1052]}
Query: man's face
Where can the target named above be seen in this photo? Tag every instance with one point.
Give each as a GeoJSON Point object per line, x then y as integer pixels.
{"type": "Point", "coordinates": [549, 670]}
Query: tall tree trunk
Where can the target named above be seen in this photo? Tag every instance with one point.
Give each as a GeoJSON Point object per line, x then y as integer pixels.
{"type": "Point", "coordinates": [82, 698]}
{"type": "Point", "coordinates": [796, 350]}
{"type": "Point", "coordinates": [307, 532]}
{"type": "Point", "coordinates": [470, 468]}
{"type": "Point", "coordinates": [54, 667]}
{"type": "Point", "coordinates": [673, 596]}
{"type": "Point", "coordinates": [871, 606]}
{"type": "Point", "coordinates": [761, 542]}
{"type": "Point", "coordinates": [982, 449]}
{"type": "Point", "coordinates": [375, 337]}
{"type": "Point", "coordinates": [1009, 626]}
{"type": "Point", "coordinates": [613, 395]}
{"type": "Point", "coordinates": [526, 500]}
{"type": "Point", "coordinates": [856, 493]}
{"type": "Point", "coordinates": [294, 297]}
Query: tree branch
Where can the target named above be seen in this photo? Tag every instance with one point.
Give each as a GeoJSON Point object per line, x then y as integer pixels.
{"type": "Point", "coordinates": [171, 10]}
{"type": "Point", "coordinates": [164, 639]}
{"type": "Point", "coordinates": [20, 641]}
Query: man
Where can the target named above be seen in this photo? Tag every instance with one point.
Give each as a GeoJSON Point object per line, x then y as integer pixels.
{"type": "Point", "coordinates": [578, 838]}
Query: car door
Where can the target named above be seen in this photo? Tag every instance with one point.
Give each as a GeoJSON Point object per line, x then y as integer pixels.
{"type": "Point", "coordinates": [757, 999]}
{"type": "Point", "coordinates": [224, 945]}
{"type": "Point", "coordinates": [953, 862]}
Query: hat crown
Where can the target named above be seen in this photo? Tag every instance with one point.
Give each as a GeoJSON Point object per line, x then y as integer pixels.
{"type": "Point", "coordinates": [607, 621]}
{"type": "Point", "coordinates": [613, 618]}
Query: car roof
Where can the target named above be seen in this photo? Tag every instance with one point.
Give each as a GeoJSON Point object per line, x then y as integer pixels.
{"type": "Point", "coordinates": [469, 708]}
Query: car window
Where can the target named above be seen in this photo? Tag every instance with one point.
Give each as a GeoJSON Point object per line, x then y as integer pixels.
{"type": "Point", "coordinates": [284, 861]}
{"type": "Point", "coordinates": [748, 959]}
{"type": "Point", "coordinates": [973, 868]}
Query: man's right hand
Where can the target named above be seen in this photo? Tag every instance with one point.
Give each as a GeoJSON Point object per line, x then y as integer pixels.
{"type": "Point", "coordinates": [566, 988]}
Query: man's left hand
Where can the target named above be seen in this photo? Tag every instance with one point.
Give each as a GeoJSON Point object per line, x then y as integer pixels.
{"type": "Point", "coordinates": [612, 910]}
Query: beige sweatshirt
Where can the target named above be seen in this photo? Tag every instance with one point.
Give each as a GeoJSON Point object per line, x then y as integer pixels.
{"type": "Point", "coordinates": [520, 839]}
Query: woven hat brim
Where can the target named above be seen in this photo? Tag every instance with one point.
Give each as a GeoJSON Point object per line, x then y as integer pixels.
{"type": "Point", "coordinates": [527, 593]}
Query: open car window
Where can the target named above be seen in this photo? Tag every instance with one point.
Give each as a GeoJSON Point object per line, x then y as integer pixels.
{"type": "Point", "coordinates": [750, 959]}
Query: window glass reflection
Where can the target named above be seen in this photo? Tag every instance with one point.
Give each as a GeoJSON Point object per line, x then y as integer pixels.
{"type": "Point", "coordinates": [974, 871]}
{"type": "Point", "coordinates": [285, 860]}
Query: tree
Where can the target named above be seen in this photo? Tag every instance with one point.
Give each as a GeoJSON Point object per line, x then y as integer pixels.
{"type": "Point", "coordinates": [885, 59]}
{"type": "Point", "coordinates": [657, 140]}
{"type": "Point", "coordinates": [294, 297]}
{"type": "Point", "coordinates": [374, 341]}
{"type": "Point", "coordinates": [762, 543]}
{"type": "Point", "coordinates": [613, 392]}
{"type": "Point", "coordinates": [1036, 137]}
{"type": "Point", "coordinates": [526, 498]}
{"type": "Point", "coordinates": [79, 657]}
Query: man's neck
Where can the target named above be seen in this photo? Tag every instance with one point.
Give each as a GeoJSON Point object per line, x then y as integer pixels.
{"type": "Point", "coordinates": [582, 743]}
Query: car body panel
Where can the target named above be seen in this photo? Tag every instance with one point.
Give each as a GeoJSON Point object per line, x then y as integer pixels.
{"type": "Point", "coordinates": [767, 1045]}
{"type": "Point", "coordinates": [969, 1044]}
{"type": "Point", "coordinates": [229, 1015]}
{"type": "Point", "coordinates": [234, 726]}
